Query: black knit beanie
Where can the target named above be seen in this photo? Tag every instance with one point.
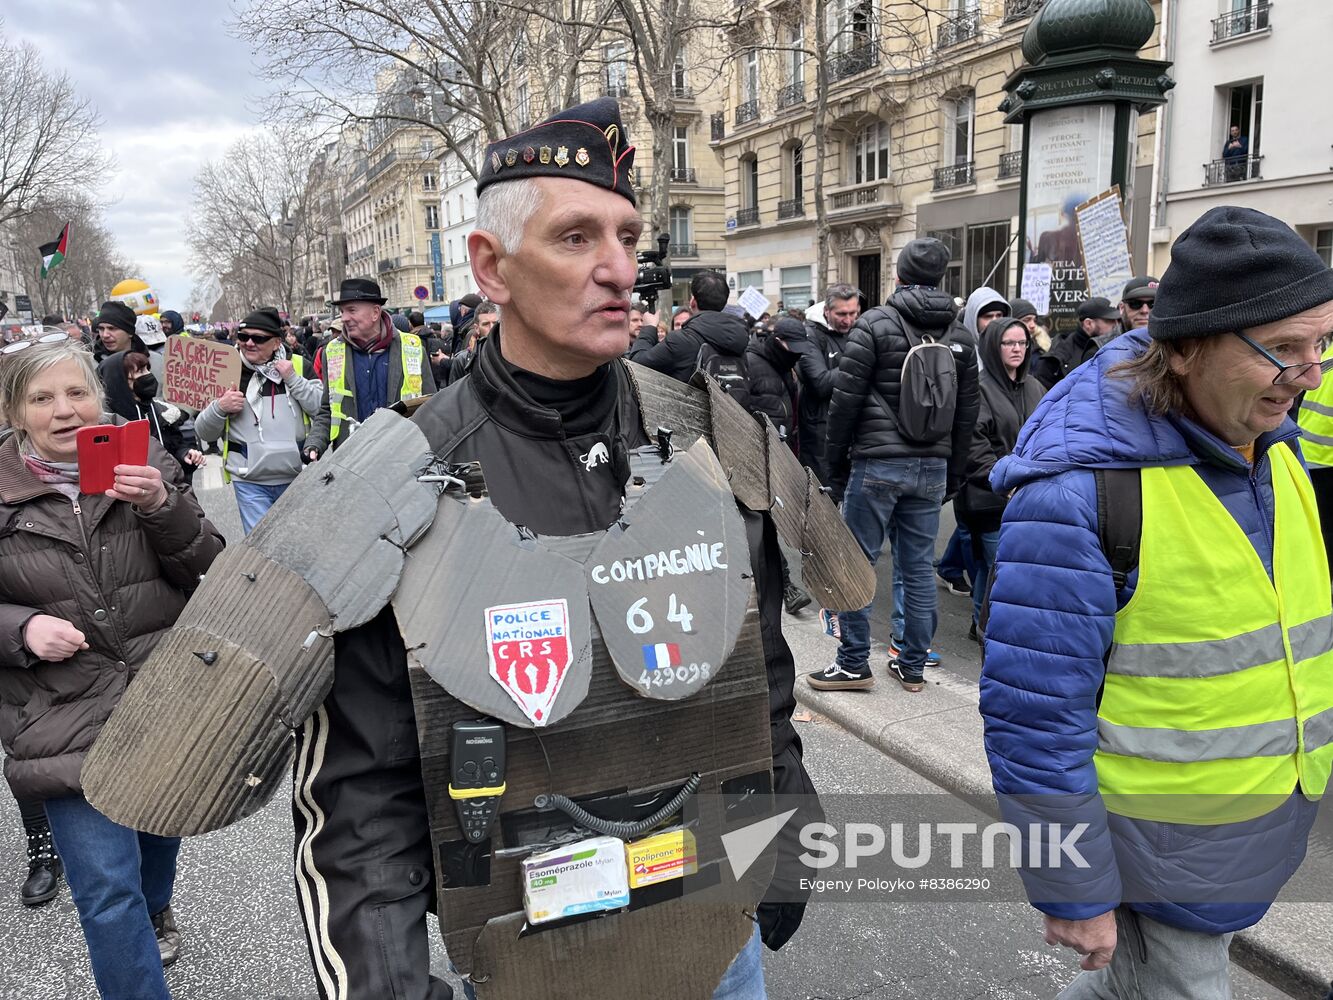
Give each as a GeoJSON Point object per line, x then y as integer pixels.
{"type": "Point", "coordinates": [1235, 269]}
{"type": "Point", "coordinates": [923, 262]}
{"type": "Point", "coordinates": [116, 314]}
{"type": "Point", "coordinates": [265, 318]}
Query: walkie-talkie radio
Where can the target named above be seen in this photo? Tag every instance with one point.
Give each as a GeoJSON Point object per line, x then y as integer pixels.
{"type": "Point", "coordinates": [477, 776]}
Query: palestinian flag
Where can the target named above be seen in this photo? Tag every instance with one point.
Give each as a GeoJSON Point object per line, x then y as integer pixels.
{"type": "Point", "coordinates": [54, 253]}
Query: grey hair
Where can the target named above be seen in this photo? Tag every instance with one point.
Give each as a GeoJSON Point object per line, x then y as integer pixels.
{"type": "Point", "coordinates": [17, 371]}
{"type": "Point", "coordinates": [504, 209]}
{"type": "Point", "coordinates": [840, 292]}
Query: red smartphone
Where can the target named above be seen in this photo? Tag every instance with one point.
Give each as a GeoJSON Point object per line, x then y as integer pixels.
{"type": "Point", "coordinates": [105, 446]}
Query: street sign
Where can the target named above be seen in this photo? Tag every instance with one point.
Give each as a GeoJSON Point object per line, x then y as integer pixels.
{"type": "Point", "coordinates": [731, 223]}
{"type": "Point", "coordinates": [437, 266]}
{"type": "Point", "coordinates": [421, 292]}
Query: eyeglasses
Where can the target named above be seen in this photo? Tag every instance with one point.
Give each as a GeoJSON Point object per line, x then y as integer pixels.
{"type": "Point", "coordinates": [1136, 304]}
{"type": "Point", "coordinates": [1286, 374]}
{"type": "Point", "coordinates": [253, 338]}
{"type": "Point", "coordinates": [1013, 343]}
{"type": "Point", "coordinates": [48, 338]}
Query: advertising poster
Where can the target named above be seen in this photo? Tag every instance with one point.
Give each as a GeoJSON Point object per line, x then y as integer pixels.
{"type": "Point", "coordinates": [1069, 163]}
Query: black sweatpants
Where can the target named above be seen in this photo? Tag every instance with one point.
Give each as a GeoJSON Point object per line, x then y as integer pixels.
{"type": "Point", "coordinates": [363, 854]}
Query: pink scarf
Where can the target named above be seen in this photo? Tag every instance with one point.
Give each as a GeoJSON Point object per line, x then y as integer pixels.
{"type": "Point", "coordinates": [64, 476]}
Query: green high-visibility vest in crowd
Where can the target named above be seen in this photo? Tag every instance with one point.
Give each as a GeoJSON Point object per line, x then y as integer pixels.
{"type": "Point", "coordinates": [335, 356]}
{"type": "Point", "coordinates": [1218, 699]}
{"type": "Point", "coordinates": [1316, 420]}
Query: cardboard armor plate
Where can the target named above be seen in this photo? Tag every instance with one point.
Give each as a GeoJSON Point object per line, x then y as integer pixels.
{"type": "Point", "coordinates": [372, 479]}
{"type": "Point", "coordinates": [670, 584]}
{"type": "Point", "coordinates": [495, 618]}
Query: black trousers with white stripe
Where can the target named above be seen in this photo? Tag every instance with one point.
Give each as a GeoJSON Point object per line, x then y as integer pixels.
{"type": "Point", "coordinates": [363, 854]}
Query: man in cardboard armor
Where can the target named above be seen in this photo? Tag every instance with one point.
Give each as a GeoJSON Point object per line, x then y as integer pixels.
{"type": "Point", "coordinates": [554, 486]}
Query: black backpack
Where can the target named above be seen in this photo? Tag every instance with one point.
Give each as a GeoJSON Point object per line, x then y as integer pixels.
{"type": "Point", "coordinates": [730, 370]}
{"type": "Point", "coordinates": [928, 393]}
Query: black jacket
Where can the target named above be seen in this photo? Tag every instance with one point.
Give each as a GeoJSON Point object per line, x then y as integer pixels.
{"type": "Point", "coordinates": [773, 388]}
{"type": "Point", "coordinates": [1006, 405]}
{"type": "Point", "coordinates": [858, 424]}
{"type": "Point", "coordinates": [536, 476]}
{"type": "Point", "coordinates": [816, 369]}
{"type": "Point", "coordinates": [1068, 352]}
{"type": "Point", "coordinates": [678, 354]}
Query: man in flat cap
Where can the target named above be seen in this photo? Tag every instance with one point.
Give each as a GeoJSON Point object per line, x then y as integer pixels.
{"type": "Point", "coordinates": [370, 365]}
{"type": "Point", "coordinates": [549, 411]}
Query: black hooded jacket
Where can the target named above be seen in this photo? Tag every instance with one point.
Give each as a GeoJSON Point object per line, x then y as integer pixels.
{"type": "Point", "coordinates": [858, 424]}
{"type": "Point", "coordinates": [773, 387]}
{"type": "Point", "coordinates": [815, 369]}
{"type": "Point", "coordinates": [678, 354]}
{"type": "Point", "coordinates": [1006, 404]}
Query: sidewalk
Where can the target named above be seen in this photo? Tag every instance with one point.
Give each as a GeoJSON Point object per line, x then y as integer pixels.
{"type": "Point", "coordinates": [938, 733]}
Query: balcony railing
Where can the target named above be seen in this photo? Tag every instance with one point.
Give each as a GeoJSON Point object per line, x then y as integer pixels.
{"type": "Point", "coordinates": [748, 217]}
{"type": "Point", "coordinates": [793, 208]}
{"type": "Point", "coordinates": [957, 175]}
{"type": "Point", "coordinates": [1011, 164]}
{"type": "Point", "coordinates": [1240, 22]}
{"type": "Point", "coordinates": [793, 93]}
{"type": "Point", "coordinates": [388, 264]}
{"type": "Point", "coordinates": [1231, 170]}
{"type": "Point", "coordinates": [718, 125]}
{"type": "Point", "coordinates": [616, 90]}
{"type": "Point", "coordinates": [747, 112]}
{"type": "Point", "coordinates": [960, 29]}
{"type": "Point", "coordinates": [853, 61]}
{"type": "Point", "coordinates": [681, 92]}
{"type": "Point", "coordinates": [1015, 9]}
{"type": "Point", "coordinates": [684, 175]}
{"type": "Point", "coordinates": [382, 164]}
{"type": "Point", "coordinates": [684, 250]}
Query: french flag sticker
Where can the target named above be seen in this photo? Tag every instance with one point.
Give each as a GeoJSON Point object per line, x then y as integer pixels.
{"type": "Point", "coordinates": [661, 654]}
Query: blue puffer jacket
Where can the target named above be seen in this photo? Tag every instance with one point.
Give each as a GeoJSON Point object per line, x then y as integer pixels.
{"type": "Point", "coordinates": [1052, 615]}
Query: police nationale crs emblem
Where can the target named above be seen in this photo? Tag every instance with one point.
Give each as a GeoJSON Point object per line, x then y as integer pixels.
{"type": "Point", "coordinates": [530, 653]}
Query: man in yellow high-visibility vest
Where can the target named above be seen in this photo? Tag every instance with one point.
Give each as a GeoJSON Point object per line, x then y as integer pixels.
{"type": "Point", "coordinates": [1159, 651]}
{"type": "Point", "coordinates": [369, 365]}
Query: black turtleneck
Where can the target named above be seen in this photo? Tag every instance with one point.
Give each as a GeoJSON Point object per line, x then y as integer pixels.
{"type": "Point", "coordinates": [584, 404]}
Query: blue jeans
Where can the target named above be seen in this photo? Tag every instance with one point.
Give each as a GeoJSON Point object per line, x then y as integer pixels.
{"type": "Point", "coordinates": [990, 543]}
{"type": "Point", "coordinates": [254, 500]}
{"type": "Point", "coordinates": [899, 497]}
{"type": "Point", "coordinates": [118, 878]}
{"type": "Point", "coordinates": [958, 561]}
{"type": "Point", "coordinates": [744, 978]}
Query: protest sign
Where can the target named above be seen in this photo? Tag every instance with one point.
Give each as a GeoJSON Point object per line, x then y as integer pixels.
{"type": "Point", "coordinates": [198, 372]}
{"type": "Point", "coordinates": [754, 302]}
{"type": "Point", "coordinates": [1037, 287]}
{"type": "Point", "coordinates": [1105, 242]}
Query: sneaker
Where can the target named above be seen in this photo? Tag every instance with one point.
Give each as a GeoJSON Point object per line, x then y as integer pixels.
{"type": "Point", "coordinates": [955, 585]}
{"type": "Point", "coordinates": [836, 678]}
{"type": "Point", "coordinates": [829, 619]}
{"type": "Point", "coordinates": [895, 650]}
{"type": "Point", "coordinates": [909, 683]}
{"type": "Point", "coordinates": [794, 598]}
{"type": "Point", "coordinates": [168, 936]}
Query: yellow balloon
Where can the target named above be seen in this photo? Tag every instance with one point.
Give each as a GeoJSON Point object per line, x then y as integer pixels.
{"type": "Point", "coordinates": [138, 295]}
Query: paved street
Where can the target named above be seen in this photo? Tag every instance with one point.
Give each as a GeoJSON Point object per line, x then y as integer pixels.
{"type": "Point", "coordinates": [237, 906]}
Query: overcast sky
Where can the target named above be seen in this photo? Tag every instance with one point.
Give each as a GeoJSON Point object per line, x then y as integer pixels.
{"type": "Point", "coordinates": [174, 89]}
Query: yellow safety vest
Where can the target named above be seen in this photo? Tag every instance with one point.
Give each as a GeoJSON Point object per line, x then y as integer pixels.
{"type": "Point", "coordinates": [298, 365]}
{"type": "Point", "coordinates": [1218, 698]}
{"type": "Point", "coordinates": [335, 357]}
{"type": "Point", "coordinates": [1316, 420]}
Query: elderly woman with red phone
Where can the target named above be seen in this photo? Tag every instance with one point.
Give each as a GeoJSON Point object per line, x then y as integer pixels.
{"type": "Point", "coordinates": [89, 581]}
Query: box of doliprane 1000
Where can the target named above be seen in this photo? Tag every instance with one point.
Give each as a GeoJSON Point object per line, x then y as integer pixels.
{"type": "Point", "coordinates": [577, 878]}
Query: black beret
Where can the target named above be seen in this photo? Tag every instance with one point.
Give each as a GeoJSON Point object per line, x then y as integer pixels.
{"type": "Point", "coordinates": [587, 142]}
